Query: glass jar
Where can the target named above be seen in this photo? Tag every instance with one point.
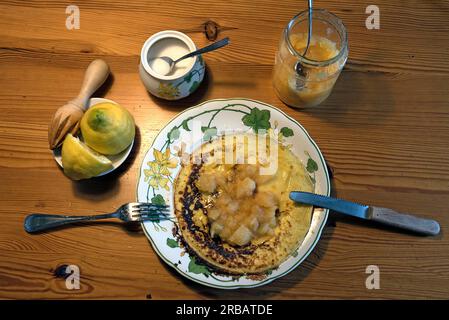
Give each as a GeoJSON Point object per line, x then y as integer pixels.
{"type": "Point", "coordinates": [306, 81]}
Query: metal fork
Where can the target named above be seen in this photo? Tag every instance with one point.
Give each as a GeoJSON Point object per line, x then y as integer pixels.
{"type": "Point", "coordinates": [130, 212]}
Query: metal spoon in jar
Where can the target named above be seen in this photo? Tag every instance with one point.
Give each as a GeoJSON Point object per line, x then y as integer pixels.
{"type": "Point", "coordinates": [309, 35]}
{"type": "Point", "coordinates": [214, 46]}
{"type": "Point", "coordinates": [298, 66]}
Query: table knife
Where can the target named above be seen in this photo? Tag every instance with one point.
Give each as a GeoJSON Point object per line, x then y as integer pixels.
{"type": "Point", "coordinates": [381, 215]}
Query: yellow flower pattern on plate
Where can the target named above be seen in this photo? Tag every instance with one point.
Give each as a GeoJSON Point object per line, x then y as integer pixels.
{"type": "Point", "coordinates": [157, 175]}
{"type": "Point", "coordinates": [164, 161]}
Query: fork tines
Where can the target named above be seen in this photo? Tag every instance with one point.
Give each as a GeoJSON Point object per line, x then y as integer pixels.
{"type": "Point", "coordinates": [145, 205]}
{"type": "Point", "coordinates": [151, 212]}
{"type": "Point", "coordinates": [151, 216]}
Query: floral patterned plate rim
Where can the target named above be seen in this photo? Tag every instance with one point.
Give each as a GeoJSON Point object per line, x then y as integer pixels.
{"type": "Point", "coordinates": [161, 165]}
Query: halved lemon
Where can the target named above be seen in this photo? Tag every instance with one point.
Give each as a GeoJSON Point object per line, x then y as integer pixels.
{"type": "Point", "coordinates": [81, 162]}
{"type": "Point", "coordinates": [108, 128]}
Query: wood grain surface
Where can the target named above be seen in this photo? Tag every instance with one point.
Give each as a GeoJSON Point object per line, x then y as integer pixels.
{"type": "Point", "coordinates": [384, 132]}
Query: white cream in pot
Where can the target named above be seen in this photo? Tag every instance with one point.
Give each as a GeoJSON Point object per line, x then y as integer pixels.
{"type": "Point", "coordinates": [169, 47]}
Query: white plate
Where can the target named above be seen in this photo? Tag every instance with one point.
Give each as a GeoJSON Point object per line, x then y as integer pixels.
{"type": "Point", "coordinates": [116, 159]}
{"type": "Point", "coordinates": [223, 114]}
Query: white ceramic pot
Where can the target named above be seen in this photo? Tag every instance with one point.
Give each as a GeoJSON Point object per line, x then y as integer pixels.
{"type": "Point", "coordinates": [174, 86]}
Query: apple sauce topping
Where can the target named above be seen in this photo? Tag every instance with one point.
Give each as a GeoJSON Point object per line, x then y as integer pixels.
{"type": "Point", "coordinates": [239, 213]}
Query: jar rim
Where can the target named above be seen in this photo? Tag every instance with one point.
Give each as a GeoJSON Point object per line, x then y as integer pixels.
{"type": "Point", "coordinates": [333, 20]}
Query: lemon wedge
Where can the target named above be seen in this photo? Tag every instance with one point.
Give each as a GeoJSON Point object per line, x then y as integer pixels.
{"type": "Point", "coordinates": [80, 162]}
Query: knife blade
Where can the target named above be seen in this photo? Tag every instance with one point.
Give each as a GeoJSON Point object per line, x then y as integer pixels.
{"type": "Point", "coordinates": [381, 215]}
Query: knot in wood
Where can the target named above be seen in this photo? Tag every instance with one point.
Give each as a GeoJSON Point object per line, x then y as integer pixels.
{"type": "Point", "coordinates": [211, 30]}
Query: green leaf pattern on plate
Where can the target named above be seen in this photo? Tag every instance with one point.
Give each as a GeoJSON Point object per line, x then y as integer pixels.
{"type": "Point", "coordinates": [287, 132]}
{"type": "Point", "coordinates": [257, 119]}
{"type": "Point", "coordinates": [185, 125]}
{"type": "Point", "coordinates": [312, 166]}
{"type": "Point", "coordinates": [158, 200]}
{"type": "Point", "coordinates": [209, 133]}
{"type": "Point", "coordinates": [173, 134]}
{"type": "Point", "coordinates": [172, 243]}
{"type": "Point", "coordinates": [196, 268]}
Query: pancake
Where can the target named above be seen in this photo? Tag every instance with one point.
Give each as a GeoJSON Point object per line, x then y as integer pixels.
{"type": "Point", "coordinates": [263, 245]}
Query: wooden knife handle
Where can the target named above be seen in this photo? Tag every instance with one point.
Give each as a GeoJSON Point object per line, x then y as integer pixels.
{"type": "Point", "coordinates": [96, 74]}
{"type": "Point", "coordinates": [405, 221]}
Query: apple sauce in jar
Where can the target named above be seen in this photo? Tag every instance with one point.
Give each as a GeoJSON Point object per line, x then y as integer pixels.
{"type": "Point", "coordinates": [305, 81]}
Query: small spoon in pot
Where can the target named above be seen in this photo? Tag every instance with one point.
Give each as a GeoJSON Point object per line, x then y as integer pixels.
{"type": "Point", "coordinates": [214, 46]}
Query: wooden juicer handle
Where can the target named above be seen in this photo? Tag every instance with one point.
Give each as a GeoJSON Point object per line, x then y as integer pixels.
{"type": "Point", "coordinates": [66, 119]}
{"type": "Point", "coordinates": [96, 74]}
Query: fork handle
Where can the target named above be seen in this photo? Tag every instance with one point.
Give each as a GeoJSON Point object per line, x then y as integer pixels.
{"type": "Point", "coordinates": [39, 222]}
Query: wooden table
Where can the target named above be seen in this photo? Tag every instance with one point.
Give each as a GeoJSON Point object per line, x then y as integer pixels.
{"type": "Point", "coordinates": [384, 132]}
